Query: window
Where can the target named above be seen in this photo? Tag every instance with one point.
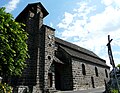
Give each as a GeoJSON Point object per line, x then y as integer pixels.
{"type": "Point", "coordinates": [96, 71]}
{"type": "Point", "coordinates": [106, 73]}
{"type": "Point", "coordinates": [50, 79]}
{"type": "Point", "coordinates": [49, 57]}
{"type": "Point", "coordinates": [83, 69]}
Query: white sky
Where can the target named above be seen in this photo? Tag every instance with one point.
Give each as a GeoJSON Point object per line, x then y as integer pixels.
{"type": "Point", "coordinates": [88, 26]}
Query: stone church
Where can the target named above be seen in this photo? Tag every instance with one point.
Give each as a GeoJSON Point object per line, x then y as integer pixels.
{"type": "Point", "coordinates": [55, 64]}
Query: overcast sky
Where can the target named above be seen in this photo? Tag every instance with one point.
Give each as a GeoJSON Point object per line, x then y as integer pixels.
{"type": "Point", "coordinates": [86, 23]}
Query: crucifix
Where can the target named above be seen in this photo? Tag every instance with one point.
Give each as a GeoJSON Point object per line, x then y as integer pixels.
{"type": "Point", "coordinates": [112, 61]}
{"type": "Point", "coordinates": [110, 52]}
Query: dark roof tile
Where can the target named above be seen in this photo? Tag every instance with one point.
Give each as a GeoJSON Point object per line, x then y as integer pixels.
{"type": "Point", "coordinates": [80, 52]}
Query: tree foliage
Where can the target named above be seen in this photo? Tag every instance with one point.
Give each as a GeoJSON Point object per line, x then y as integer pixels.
{"type": "Point", "coordinates": [118, 66]}
{"type": "Point", "coordinates": [13, 47]}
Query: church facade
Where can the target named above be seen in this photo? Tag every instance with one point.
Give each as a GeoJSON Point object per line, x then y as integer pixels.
{"type": "Point", "coordinates": [55, 64]}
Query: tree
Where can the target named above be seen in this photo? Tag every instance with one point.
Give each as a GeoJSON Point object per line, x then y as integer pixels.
{"type": "Point", "coordinates": [13, 46]}
{"type": "Point", "coordinates": [118, 66]}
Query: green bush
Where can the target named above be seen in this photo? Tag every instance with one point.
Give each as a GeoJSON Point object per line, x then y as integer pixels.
{"type": "Point", "coordinates": [5, 88]}
{"type": "Point", "coordinates": [114, 91]}
{"type": "Point", "coordinates": [13, 46]}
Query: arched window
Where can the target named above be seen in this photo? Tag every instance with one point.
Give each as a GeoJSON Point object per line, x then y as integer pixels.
{"type": "Point", "coordinates": [106, 73]}
{"type": "Point", "coordinates": [96, 71]}
{"type": "Point", "coordinates": [83, 69]}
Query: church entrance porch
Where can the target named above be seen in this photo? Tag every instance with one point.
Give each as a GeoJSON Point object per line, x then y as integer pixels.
{"type": "Point", "coordinates": [63, 77]}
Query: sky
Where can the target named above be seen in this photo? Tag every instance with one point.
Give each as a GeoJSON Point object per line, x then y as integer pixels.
{"type": "Point", "coordinates": [86, 23]}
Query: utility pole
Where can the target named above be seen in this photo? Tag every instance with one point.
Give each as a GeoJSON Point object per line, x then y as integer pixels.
{"type": "Point", "coordinates": [112, 61]}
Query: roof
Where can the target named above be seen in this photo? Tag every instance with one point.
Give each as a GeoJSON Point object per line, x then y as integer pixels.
{"type": "Point", "coordinates": [29, 7]}
{"type": "Point", "coordinates": [57, 60]}
{"type": "Point", "coordinates": [79, 52]}
{"type": "Point", "coordinates": [48, 27]}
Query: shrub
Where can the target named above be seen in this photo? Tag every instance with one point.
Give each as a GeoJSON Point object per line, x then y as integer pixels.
{"type": "Point", "coordinates": [5, 88]}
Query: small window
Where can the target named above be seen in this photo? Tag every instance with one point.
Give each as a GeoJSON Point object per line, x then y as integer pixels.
{"type": "Point", "coordinates": [96, 71]}
{"type": "Point", "coordinates": [50, 79]}
{"type": "Point", "coordinates": [49, 36]}
{"type": "Point", "coordinates": [50, 45]}
{"type": "Point", "coordinates": [49, 57]}
{"type": "Point", "coordinates": [83, 69]}
{"type": "Point", "coordinates": [106, 73]}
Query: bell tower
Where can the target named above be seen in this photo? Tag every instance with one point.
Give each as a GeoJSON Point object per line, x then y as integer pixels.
{"type": "Point", "coordinates": [33, 76]}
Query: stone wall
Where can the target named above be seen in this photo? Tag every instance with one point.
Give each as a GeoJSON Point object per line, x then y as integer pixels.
{"type": "Point", "coordinates": [89, 80]}
{"type": "Point", "coordinates": [49, 45]}
{"type": "Point", "coordinates": [29, 74]}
